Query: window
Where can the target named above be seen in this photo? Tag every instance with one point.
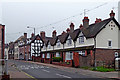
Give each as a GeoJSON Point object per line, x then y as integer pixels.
{"type": "Point", "coordinates": [57, 54]}
{"type": "Point", "coordinates": [49, 46]}
{"type": "Point", "coordinates": [44, 47]}
{"type": "Point", "coordinates": [43, 55]}
{"type": "Point", "coordinates": [116, 54]}
{"type": "Point", "coordinates": [109, 43]}
{"type": "Point", "coordinates": [69, 55]}
{"type": "Point", "coordinates": [58, 44]}
{"type": "Point", "coordinates": [48, 55]}
{"type": "Point", "coordinates": [69, 41]}
{"type": "Point", "coordinates": [82, 53]}
{"type": "Point", "coordinates": [81, 39]}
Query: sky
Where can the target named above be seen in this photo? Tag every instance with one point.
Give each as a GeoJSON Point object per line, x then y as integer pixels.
{"type": "Point", "coordinates": [49, 15]}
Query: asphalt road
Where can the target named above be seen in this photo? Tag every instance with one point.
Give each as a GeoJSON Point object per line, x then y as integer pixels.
{"type": "Point", "coordinates": [39, 71]}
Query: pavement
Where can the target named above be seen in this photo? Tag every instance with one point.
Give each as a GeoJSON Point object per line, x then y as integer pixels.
{"type": "Point", "coordinates": [15, 73]}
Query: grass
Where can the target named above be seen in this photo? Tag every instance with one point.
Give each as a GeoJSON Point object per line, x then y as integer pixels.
{"type": "Point", "coordinates": [100, 69]}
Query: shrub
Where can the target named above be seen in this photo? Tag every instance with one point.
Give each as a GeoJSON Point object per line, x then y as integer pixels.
{"type": "Point", "coordinates": [57, 59]}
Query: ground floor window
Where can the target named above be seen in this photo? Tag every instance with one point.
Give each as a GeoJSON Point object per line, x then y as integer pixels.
{"type": "Point", "coordinates": [69, 56]}
{"type": "Point", "coordinates": [82, 53]}
{"type": "Point", "coordinates": [48, 55]}
{"type": "Point", "coordinates": [57, 54]}
{"type": "Point", "coordinates": [43, 55]}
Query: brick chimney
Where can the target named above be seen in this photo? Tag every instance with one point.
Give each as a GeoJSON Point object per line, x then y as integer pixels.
{"type": "Point", "coordinates": [68, 30]}
{"type": "Point", "coordinates": [81, 26]}
{"type": "Point", "coordinates": [112, 14]}
{"type": "Point", "coordinates": [54, 33]}
{"type": "Point", "coordinates": [85, 22]}
{"type": "Point", "coordinates": [42, 34]}
{"type": "Point", "coordinates": [63, 32]}
{"type": "Point", "coordinates": [98, 20]}
{"type": "Point", "coordinates": [25, 35]}
{"type": "Point", "coordinates": [32, 35]}
{"type": "Point", "coordinates": [71, 27]}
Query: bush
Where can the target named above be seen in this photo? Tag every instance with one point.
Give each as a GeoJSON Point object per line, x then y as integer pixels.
{"type": "Point", "coordinates": [102, 69]}
{"type": "Point", "coordinates": [57, 59]}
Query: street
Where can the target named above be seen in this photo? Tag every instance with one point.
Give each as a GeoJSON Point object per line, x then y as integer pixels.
{"type": "Point", "coordinates": [40, 71]}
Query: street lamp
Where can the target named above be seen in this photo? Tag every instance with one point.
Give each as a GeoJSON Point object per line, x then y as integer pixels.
{"type": "Point", "coordinates": [32, 28]}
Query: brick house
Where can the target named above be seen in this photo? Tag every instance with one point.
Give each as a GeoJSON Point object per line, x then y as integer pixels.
{"type": "Point", "coordinates": [2, 40]}
{"type": "Point", "coordinates": [89, 44]}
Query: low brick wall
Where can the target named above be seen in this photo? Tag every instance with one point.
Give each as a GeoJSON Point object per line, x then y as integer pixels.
{"type": "Point", "coordinates": [64, 63]}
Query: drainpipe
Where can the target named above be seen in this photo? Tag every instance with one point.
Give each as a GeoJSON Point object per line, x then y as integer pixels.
{"type": "Point", "coordinates": [94, 52]}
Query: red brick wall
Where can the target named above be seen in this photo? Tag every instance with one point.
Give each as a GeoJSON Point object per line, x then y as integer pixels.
{"type": "Point", "coordinates": [105, 57]}
{"type": "Point", "coordinates": [2, 27]}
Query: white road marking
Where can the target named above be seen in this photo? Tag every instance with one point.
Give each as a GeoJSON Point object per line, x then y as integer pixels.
{"type": "Point", "coordinates": [46, 70]}
{"type": "Point", "coordinates": [63, 75]}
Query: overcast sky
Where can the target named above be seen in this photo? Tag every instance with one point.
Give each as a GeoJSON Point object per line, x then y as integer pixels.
{"type": "Point", "coordinates": [43, 15]}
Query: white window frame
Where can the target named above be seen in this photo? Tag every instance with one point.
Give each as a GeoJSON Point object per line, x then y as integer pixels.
{"type": "Point", "coordinates": [48, 55]}
{"type": "Point", "coordinates": [57, 54]}
{"type": "Point", "coordinates": [110, 44]}
{"type": "Point", "coordinates": [43, 55]}
{"type": "Point", "coordinates": [58, 44]}
{"type": "Point", "coordinates": [82, 53]}
{"type": "Point", "coordinates": [81, 39]}
{"type": "Point", "coordinates": [49, 46]}
{"type": "Point", "coordinates": [69, 56]}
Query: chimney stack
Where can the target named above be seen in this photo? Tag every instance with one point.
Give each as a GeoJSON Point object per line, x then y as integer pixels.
{"type": "Point", "coordinates": [71, 27]}
{"type": "Point", "coordinates": [42, 34]}
{"type": "Point", "coordinates": [25, 35]}
{"type": "Point", "coordinates": [68, 30]}
{"type": "Point", "coordinates": [85, 22]}
{"type": "Point", "coordinates": [63, 32]}
{"type": "Point", "coordinates": [81, 26]}
{"type": "Point", "coordinates": [98, 20]}
{"type": "Point", "coordinates": [32, 35]}
{"type": "Point", "coordinates": [112, 14]}
{"type": "Point", "coordinates": [54, 33]}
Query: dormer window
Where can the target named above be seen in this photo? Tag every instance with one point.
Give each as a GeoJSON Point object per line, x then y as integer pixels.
{"type": "Point", "coordinates": [58, 43]}
{"type": "Point", "coordinates": [44, 47]}
{"type": "Point", "coordinates": [81, 39]}
{"type": "Point", "coordinates": [69, 41]}
{"type": "Point", "coordinates": [49, 46]}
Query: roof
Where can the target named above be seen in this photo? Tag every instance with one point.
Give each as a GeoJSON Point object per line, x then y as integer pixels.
{"type": "Point", "coordinates": [20, 38]}
{"type": "Point", "coordinates": [63, 37]}
{"type": "Point", "coordinates": [95, 28]}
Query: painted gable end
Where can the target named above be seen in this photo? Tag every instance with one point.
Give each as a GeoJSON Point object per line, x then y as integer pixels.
{"type": "Point", "coordinates": [108, 35]}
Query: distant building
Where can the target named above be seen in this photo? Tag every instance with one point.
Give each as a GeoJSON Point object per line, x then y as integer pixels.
{"type": "Point", "coordinates": [119, 11]}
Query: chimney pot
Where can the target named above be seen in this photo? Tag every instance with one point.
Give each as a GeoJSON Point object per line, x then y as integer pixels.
{"type": "Point", "coordinates": [32, 35]}
{"type": "Point", "coordinates": [42, 34]}
{"type": "Point", "coordinates": [112, 14]}
{"type": "Point", "coordinates": [81, 26]}
{"type": "Point", "coordinates": [68, 30]}
{"type": "Point", "coordinates": [54, 33]}
{"type": "Point", "coordinates": [63, 32]}
{"type": "Point", "coordinates": [98, 20]}
{"type": "Point", "coordinates": [71, 27]}
{"type": "Point", "coordinates": [25, 35]}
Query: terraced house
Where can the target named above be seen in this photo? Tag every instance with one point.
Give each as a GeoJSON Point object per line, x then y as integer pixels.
{"type": "Point", "coordinates": [90, 44]}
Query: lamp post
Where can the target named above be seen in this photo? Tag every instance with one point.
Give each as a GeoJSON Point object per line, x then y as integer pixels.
{"type": "Point", "coordinates": [32, 28]}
